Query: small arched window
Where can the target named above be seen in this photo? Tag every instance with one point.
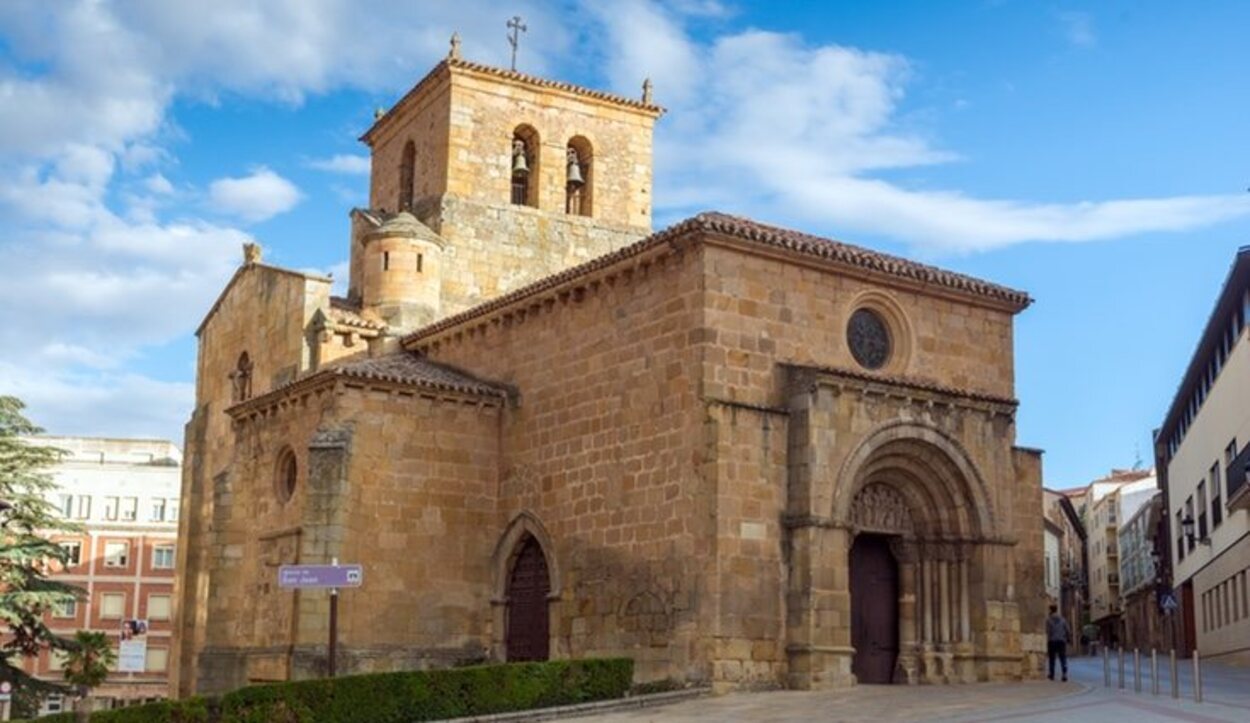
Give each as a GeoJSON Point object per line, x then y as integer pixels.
{"type": "Point", "coordinates": [407, 176]}
{"type": "Point", "coordinates": [241, 379]}
{"type": "Point", "coordinates": [286, 474]}
{"type": "Point", "coordinates": [578, 175]}
{"type": "Point", "coordinates": [524, 164]}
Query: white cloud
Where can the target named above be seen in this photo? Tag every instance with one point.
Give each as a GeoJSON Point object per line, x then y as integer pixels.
{"type": "Point", "coordinates": [761, 123]}
{"type": "Point", "coordinates": [85, 90]}
{"type": "Point", "coordinates": [158, 184]}
{"type": "Point", "coordinates": [764, 124]}
{"type": "Point", "coordinates": [1078, 28]}
{"type": "Point", "coordinates": [105, 403]}
{"type": "Point", "coordinates": [342, 163]}
{"type": "Point", "coordinates": [256, 197]}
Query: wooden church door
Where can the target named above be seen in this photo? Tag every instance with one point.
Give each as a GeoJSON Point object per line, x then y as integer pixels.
{"type": "Point", "coordinates": [528, 586]}
{"type": "Point", "coordinates": [874, 609]}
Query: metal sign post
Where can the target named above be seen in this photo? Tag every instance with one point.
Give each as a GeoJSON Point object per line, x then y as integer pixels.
{"type": "Point", "coordinates": [331, 664]}
{"type": "Point", "coordinates": [324, 577]}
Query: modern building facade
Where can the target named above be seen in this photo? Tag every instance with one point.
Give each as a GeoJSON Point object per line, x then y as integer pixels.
{"type": "Point", "coordinates": [124, 493]}
{"type": "Point", "coordinates": [1142, 624]}
{"type": "Point", "coordinates": [1203, 453]}
{"type": "Point", "coordinates": [1111, 500]}
{"type": "Point", "coordinates": [739, 454]}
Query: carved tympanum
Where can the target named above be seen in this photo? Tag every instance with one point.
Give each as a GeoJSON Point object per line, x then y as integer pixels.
{"type": "Point", "coordinates": [880, 508]}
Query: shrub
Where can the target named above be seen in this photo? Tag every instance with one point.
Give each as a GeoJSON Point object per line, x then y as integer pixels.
{"type": "Point", "coordinates": [432, 694]}
{"type": "Point", "coordinates": [395, 697]}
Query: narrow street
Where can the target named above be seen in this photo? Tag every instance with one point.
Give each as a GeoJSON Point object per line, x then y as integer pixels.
{"type": "Point", "coordinates": [1084, 698]}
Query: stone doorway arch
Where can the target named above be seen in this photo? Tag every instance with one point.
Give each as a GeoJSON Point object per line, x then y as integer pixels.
{"type": "Point", "coordinates": [919, 497]}
{"type": "Point", "coordinates": [528, 621]}
{"type": "Point", "coordinates": [527, 590]}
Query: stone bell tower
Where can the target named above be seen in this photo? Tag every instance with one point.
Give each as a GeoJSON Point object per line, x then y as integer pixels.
{"type": "Point", "coordinates": [517, 177]}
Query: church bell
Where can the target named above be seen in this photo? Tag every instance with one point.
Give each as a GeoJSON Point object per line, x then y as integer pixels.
{"type": "Point", "coordinates": [519, 164]}
{"type": "Point", "coordinates": [575, 169]}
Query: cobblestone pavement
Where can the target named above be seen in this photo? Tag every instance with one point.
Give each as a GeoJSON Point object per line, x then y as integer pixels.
{"type": "Point", "coordinates": [1085, 698]}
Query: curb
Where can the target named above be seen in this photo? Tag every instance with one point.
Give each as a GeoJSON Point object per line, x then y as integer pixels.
{"type": "Point", "coordinates": [601, 706]}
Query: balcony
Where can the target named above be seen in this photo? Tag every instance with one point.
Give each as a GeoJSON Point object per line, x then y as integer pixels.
{"type": "Point", "coordinates": [1238, 477]}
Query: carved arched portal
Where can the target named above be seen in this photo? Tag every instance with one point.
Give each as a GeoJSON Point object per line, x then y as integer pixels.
{"type": "Point", "coordinates": [915, 510]}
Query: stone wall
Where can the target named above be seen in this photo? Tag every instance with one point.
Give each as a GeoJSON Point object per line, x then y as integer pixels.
{"type": "Point", "coordinates": [264, 311]}
{"type": "Point", "coordinates": [603, 449]}
{"type": "Point", "coordinates": [462, 125]}
{"type": "Point", "coordinates": [762, 311]}
{"type": "Point", "coordinates": [493, 249]}
{"type": "Point", "coordinates": [401, 483]}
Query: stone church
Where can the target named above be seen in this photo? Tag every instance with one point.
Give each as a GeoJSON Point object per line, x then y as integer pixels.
{"type": "Point", "coordinates": [742, 455]}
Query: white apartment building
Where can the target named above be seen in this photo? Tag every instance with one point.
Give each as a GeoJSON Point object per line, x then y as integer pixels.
{"type": "Point", "coordinates": [124, 493]}
{"type": "Point", "coordinates": [1203, 452]}
{"type": "Point", "coordinates": [1114, 499]}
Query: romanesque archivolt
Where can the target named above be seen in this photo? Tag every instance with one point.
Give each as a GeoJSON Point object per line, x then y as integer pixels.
{"type": "Point", "coordinates": [880, 508]}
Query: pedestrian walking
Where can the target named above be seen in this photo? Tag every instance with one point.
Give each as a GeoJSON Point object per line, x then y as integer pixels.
{"type": "Point", "coordinates": [1057, 636]}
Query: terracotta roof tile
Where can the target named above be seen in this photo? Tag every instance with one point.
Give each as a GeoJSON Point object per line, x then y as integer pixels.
{"type": "Point", "coordinates": [408, 368]}
{"type": "Point", "coordinates": [400, 368]}
{"type": "Point", "coordinates": [754, 232]}
{"type": "Point", "coordinates": [345, 313]}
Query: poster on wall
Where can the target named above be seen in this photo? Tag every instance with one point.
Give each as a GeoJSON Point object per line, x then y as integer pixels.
{"type": "Point", "coordinates": [132, 655]}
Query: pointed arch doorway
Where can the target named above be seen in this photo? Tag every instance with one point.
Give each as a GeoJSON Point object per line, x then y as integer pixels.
{"type": "Point", "coordinates": [874, 609]}
{"type": "Point", "coordinates": [529, 585]}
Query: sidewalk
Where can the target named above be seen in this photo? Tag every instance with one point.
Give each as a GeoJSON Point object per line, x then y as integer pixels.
{"type": "Point", "coordinates": [1083, 699]}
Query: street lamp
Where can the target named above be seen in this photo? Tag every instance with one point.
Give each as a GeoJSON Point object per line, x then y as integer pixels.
{"type": "Point", "coordinates": [1187, 525]}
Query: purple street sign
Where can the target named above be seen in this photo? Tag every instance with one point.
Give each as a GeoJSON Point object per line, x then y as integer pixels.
{"type": "Point", "coordinates": [320, 576]}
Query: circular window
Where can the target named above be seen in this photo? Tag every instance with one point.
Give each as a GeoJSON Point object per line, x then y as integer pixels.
{"type": "Point", "coordinates": [287, 473]}
{"type": "Point", "coordinates": [868, 337]}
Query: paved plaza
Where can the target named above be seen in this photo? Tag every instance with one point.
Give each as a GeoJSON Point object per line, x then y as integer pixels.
{"type": "Point", "coordinates": [1084, 698]}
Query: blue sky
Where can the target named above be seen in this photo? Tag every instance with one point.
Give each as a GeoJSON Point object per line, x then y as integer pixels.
{"type": "Point", "coordinates": [1094, 155]}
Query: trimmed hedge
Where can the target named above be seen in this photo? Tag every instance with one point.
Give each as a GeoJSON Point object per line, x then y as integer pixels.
{"type": "Point", "coordinates": [431, 694]}
{"type": "Point", "coordinates": [398, 697]}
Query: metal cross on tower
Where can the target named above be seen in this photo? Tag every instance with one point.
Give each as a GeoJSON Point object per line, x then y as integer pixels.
{"type": "Point", "coordinates": [517, 27]}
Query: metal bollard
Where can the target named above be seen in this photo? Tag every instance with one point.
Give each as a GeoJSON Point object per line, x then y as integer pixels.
{"type": "Point", "coordinates": [1176, 682]}
{"type": "Point", "coordinates": [1121, 678]}
{"type": "Point", "coordinates": [1197, 678]}
{"type": "Point", "coordinates": [1136, 670]}
{"type": "Point", "coordinates": [1106, 667]}
{"type": "Point", "coordinates": [1154, 671]}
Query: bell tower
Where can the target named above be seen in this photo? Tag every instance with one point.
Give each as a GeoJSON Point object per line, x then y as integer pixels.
{"type": "Point", "coordinates": [519, 177]}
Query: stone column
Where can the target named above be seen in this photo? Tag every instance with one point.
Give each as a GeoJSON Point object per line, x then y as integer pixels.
{"type": "Point", "coordinates": [926, 567]}
{"type": "Point", "coordinates": [944, 617]}
{"type": "Point", "coordinates": [908, 610]}
{"type": "Point", "coordinates": [965, 623]}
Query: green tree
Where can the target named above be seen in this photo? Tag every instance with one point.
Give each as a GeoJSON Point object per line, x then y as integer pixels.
{"type": "Point", "coordinates": [26, 518]}
{"type": "Point", "coordinates": [87, 664]}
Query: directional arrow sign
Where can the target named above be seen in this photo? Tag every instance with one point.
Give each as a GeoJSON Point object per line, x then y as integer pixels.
{"type": "Point", "coordinates": [304, 577]}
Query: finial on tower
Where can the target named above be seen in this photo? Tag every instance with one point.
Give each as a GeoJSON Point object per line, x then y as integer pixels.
{"type": "Point", "coordinates": [646, 91]}
{"type": "Point", "coordinates": [251, 253]}
{"type": "Point", "coordinates": [454, 52]}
